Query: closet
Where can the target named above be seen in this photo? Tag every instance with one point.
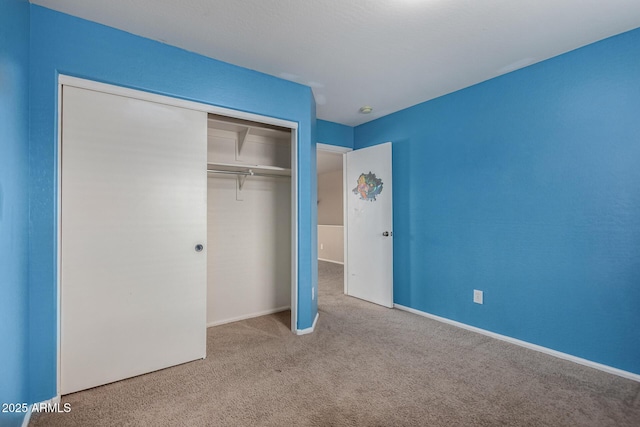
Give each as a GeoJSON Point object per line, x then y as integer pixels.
{"type": "Point", "coordinates": [248, 219]}
{"type": "Point", "coordinates": [171, 219]}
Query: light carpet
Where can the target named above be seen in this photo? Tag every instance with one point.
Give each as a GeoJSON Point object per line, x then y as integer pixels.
{"type": "Point", "coordinates": [364, 366]}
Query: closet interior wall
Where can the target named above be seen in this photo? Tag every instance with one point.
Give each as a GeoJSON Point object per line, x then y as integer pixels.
{"type": "Point", "coordinates": [249, 220]}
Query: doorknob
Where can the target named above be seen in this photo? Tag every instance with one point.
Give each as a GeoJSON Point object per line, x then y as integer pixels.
{"type": "Point", "coordinates": [387, 234]}
{"type": "Point", "coordinates": [199, 248]}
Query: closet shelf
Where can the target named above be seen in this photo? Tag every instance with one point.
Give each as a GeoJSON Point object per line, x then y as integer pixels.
{"type": "Point", "coordinates": [244, 128]}
{"type": "Point", "coordinates": [260, 129]}
{"type": "Point", "coordinates": [259, 169]}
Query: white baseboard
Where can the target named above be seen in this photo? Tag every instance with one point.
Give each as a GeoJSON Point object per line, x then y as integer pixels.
{"type": "Point", "coordinates": [308, 330]}
{"type": "Point", "coordinates": [331, 261]}
{"type": "Point", "coordinates": [247, 316]}
{"type": "Point", "coordinates": [545, 350]}
{"type": "Point", "coordinates": [27, 416]}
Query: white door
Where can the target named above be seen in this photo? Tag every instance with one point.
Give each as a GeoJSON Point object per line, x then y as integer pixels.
{"type": "Point", "coordinates": [369, 267]}
{"type": "Point", "coordinates": [133, 210]}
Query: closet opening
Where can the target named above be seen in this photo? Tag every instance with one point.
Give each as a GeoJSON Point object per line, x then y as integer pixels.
{"type": "Point", "coordinates": [249, 220]}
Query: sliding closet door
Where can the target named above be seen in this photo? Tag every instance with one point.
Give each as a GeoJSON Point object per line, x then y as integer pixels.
{"type": "Point", "coordinates": [133, 207]}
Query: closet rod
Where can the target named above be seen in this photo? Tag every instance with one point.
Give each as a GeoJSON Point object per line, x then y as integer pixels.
{"type": "Point", "coordinates": [248, 173]}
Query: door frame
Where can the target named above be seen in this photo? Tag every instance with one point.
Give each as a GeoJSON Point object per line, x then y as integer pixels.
{"type": "Point", "coordinates": [65, 80]}
{"type": "Point", "coordinates": [340, 150]}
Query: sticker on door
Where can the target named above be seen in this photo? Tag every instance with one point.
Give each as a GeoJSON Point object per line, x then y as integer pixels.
{"type": "Point", "coordinates": [369, 186]}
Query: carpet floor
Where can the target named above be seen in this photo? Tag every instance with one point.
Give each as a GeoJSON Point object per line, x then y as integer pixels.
{"type": "Point", "coordinates": [365, 365]}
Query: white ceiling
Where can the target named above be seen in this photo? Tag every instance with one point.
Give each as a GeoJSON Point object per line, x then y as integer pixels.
{"type": "Point", "coordinates": [389, 54]}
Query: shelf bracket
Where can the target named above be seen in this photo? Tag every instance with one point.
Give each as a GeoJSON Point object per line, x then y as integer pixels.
{"type": "Point", "coordinates": [240, 183]}
{"type": "Point", "coordinates": [241, 179]}
{"type": "Point", "coordinates": [242, 138]}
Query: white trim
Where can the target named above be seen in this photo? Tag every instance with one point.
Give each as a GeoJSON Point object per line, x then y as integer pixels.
{"type": "Point", "coordinates": [530, 346]}
{"type": "Point", "coordinates": [248, 316]}
{"type": "Point", "coordinates": [54, 400]}
{"type": "Point", "coordinates": [65, 80]}
{"type": "Point", "coordinates": [308, 330]}
{"type": "Point", "coordinates": [345, 221]}
{"type": "Point", "coordinates": [294, 229]}
{"type": "Point", "coordinates": [169, 100]}
{"type": "Point", "coordinates": [59, 243]}
{"type": "Point", "coordinates": [327, 225]}
{"type": "Point", "coordinates": [332, 148]}
{"type": "Point", "coordinates": [27, 417]}
{"type": "Point", "coordinates": [50, 402]}
{"type": "Point", "coordinates": [331, 261]}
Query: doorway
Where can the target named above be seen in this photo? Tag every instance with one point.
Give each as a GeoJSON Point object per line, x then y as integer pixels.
{"type": "Point", "coordinates": [367, 220]}
{"type": "Point", "coordinates": [331, 215]}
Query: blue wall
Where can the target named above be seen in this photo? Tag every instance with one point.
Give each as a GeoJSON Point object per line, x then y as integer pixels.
{"type": "Point", "coordinates": [527, 187]}
{"type": "Point", "coordinates": [335, 134]}
{"type": "Point", "coordinates": [64, 44]}
{"type": "Point", "coordinates": [14, 203]}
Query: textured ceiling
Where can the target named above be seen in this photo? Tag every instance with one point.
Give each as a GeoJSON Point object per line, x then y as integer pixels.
{"type": "Point", "coordinates": [389, 54]}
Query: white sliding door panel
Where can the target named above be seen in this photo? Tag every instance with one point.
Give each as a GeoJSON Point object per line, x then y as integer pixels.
{"type": "Point", "coordinates": [133, 209]}
{"type": "Point", "coordinates": [369, 269]}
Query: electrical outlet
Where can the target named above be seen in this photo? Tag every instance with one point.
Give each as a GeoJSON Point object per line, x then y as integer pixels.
{"type": "Point", "coordinates": [478, 296]}
{"type": "Point", "coordinates": [313, 294]}
{"type": "Point", "coordinates": [321, 246]}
